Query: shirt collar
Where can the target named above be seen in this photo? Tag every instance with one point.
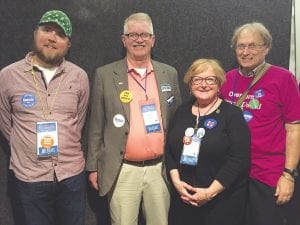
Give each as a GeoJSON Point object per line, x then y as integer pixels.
{"type": "Point", "coordinates": [252, 72]}
{"type": "Point", "coordinates": [131, 68]}
{"type": "Point", "coordinates": [29, 66]}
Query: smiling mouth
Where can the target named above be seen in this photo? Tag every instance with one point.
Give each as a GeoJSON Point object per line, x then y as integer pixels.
{"type": "Point", "coordinates": [50, 46]}
{"type": "Point", "coordinates": [138, 45]}
{"type": "Point", "coordinates": [247, 59]}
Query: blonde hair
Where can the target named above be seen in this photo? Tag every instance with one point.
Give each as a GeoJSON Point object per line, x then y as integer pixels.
{"type": "Point", "coordinates": [201, 65]}
{"type": "Point", "coordinates": [138, 17]}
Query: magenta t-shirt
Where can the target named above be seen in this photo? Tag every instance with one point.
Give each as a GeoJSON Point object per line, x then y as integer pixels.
{"type": "Point", "coordinates": [273, 101]}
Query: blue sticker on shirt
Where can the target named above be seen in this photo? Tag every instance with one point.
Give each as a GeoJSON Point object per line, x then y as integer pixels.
{"type": "Point", "coordinates": [210, 123]}
{"type": "Point", "coordinates": [259, 93]}
{"type": "Point", "coordinates": [247, 116]}
{"type": "Point", "coordinates": [28, 100]}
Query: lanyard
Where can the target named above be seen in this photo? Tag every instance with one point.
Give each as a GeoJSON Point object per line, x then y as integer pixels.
{"type": "Point", "coordinates": [46, 115]}
{"type": "Point", "coordinates": [144, 88]}
{"type": "Point", "coordinates": [259, 73]}
{"type": "Point", "coordinates": [199, 116]}
{"type": "Point", "coordinates": [234, 86]}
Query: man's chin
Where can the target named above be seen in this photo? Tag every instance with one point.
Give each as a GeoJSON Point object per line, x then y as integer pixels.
{"type": "Point", "coordinates": [53, 61]}
{"type": "Point", "coordinates": [50, 59]}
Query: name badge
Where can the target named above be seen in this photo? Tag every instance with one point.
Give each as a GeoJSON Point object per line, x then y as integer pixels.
{"type": "Point", "coordinates": [165, 87]}
{"type": "Point", "coordinates": [47, 139]}
{"type": "Point", "coordinates": [150, 117]}
{"type": "Point", "coordinates": [190, 152]}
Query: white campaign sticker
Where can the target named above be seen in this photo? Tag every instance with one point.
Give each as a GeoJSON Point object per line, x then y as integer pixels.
{"type": "Point", "coordinates": [119, 120]}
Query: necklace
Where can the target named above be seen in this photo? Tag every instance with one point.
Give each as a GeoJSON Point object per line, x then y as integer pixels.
{"type": "Point", "coordinates": [198, 117]}
{"type": "Point", "coordinates": [46, 114]}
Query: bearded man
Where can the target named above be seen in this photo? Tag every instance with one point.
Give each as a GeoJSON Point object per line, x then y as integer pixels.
{"type": "Point", "coordinates": [43, 103]}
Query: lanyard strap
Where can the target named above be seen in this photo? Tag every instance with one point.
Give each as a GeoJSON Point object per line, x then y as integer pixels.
{"type": "Point", "coordinates": [46, 115]}
{"type": "Point", "coordinates": [144, 88]}
{"type": "Point", "coordinates": [199, 116]}
{"type": "Point", "coordinates": [256, 78]}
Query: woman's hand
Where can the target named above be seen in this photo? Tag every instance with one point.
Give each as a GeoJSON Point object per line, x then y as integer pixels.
{"type": "Point", "coordinates": [199, 197]}
{"type": "Point", "coordinates": [183, 189]}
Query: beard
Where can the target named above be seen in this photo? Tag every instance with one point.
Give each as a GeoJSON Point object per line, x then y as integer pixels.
{"type": "Point", "coordinates": [49, 57]}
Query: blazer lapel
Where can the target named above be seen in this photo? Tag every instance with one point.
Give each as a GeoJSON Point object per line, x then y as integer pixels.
{"type": "Point", "coordinates": [161, 79]}
{"type": "Point", "coordinates": [121, 84]}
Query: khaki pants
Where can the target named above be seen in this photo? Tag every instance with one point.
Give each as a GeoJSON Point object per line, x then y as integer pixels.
{"type": "Point", "coordinates": [136, 185]}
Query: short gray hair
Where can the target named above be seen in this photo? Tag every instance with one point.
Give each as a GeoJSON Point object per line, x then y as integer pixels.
{"type": "Point", "coordinates": [138, 17]}
{"type": "Point", "coordinates": [255, 27]}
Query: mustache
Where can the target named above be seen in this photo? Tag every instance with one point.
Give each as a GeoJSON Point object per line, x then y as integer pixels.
{"type": "Point", "coordinates": [51, 59]}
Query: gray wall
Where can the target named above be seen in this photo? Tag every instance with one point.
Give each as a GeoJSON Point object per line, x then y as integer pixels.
{"type": "Point", "coordinates": [185, 30]}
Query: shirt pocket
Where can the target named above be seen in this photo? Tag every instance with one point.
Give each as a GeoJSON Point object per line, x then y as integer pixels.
{"type": "Point", "coordinates": [66, 102]}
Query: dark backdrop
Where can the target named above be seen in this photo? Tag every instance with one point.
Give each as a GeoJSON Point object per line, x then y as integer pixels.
{"type": "Point", "coordinates": [185, 30]}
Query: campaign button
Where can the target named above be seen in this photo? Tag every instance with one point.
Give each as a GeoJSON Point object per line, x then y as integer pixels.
{"type": "Point", "coordinates": [126, 96]}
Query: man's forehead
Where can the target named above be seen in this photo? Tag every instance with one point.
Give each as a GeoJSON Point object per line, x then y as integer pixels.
{"type": "Point", "coordinates": [53, 26]}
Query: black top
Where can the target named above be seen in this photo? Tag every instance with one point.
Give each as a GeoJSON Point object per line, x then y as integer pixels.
{"type": "Point", "coordinates": [225, 148]}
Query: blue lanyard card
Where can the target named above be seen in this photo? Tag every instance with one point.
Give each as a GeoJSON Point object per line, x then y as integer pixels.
{"type": "Point", "coordinates": [190, 152]}
{"type": "Point", "coordinates": [47, 139]}
{"type": "Point", "coordinates": [150, 117]}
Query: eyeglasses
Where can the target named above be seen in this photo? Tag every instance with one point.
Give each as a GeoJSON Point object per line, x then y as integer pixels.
{"type": "Point", "coordinates": [210, 80]}
{"type": "Point", "coordinates": [135, 36]}
{"type": "Point", "coordinates": [251, 47]}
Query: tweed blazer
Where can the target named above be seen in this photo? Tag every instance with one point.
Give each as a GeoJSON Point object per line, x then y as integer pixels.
{"type": "Point", "coordinates": [106, 142]}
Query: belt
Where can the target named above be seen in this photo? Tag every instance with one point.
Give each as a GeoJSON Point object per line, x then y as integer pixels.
{"type": "Point", "coordinates": [148, 162]}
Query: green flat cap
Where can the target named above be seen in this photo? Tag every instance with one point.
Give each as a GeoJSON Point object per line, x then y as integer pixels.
{"type": "Point", "coordinates": [60, 18]}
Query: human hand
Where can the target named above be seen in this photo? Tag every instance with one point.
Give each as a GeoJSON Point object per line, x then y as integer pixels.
{"type": "Point", "coordinates": [93, 178]}
{"type": "Point", "coordinates": [285, 189]}
{"type": "Point", "coordinates": [199, 197]}
{"type": "Point", "coordinates": [183, 188]}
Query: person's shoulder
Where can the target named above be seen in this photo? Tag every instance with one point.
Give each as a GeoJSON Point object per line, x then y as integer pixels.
{"type": "Point", "coordinates": [163, 65]}
{"type": "Point", "coordinates": [182, 110]}
{"type": "Point", "coordinates": [279, 75]}
{"type": "Point", "coordinates": [279, 70]}
{"type": "Point", "coordinates": [230, 108]}
{"type": "Point", "coordinates": [73, 66]}
{"type": "Point", "coordinates": [14, 65]}
{"type": "Point", "coordinates": [113, 64]}
{"type": "Point", "coordinates": [186, 105]}
{"type": "Point", "coordinates": [231, 72]}
{"type": "Point", "coordinates": [13, 69]}
{"type": "Point", "coordinates": [75, 70]}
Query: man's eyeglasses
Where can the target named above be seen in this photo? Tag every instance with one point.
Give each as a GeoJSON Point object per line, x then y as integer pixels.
{"type": "Point", "coordinates": [252, 47]}
{"type": "Point", "coordinates": [135, 36]}
{"type": "Point", "coordinates": [210, 80]}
